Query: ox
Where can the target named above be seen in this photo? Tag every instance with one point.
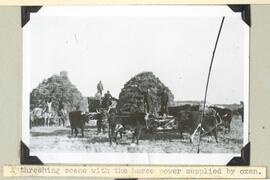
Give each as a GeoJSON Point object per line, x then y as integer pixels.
{"type": "Point", "coordinates": [120, 123]}
{"type": "Point", "coordinates": [77, 120]}
{"type": "Point", "coordinates": [190, 121]}
{"type": "Point", "coordinates": [225, 115]}
{"type": "Point", "coordinates": [174, 110]}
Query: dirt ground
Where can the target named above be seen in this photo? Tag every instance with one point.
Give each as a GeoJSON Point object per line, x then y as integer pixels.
{"type": "Point", "coordinates": [59, 139]}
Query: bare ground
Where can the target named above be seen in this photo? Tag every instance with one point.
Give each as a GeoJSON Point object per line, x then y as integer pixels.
{"type": "Point", "coordinates": [59, 139]}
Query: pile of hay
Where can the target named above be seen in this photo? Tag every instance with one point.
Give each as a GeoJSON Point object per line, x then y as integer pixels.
{"type": "Point", "coordinates": [131, 97]}
{"type": "Point", "coordinates": [59, 88]}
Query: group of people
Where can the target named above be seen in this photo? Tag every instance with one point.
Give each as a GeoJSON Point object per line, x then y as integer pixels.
{"type": "Point", "coordinates": [61, 110]}
{"type": "Point", "coordinates": [106, 101]}
{"type": "Point", "coordinates": [147, 99]}
{"type": "Point", "coordinates": [103, 107]}
{"type": "Point", "coordinates": [43, 115]}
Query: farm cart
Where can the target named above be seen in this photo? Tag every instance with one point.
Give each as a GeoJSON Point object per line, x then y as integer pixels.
{"type": "Point", "coordinates": [134, 123]}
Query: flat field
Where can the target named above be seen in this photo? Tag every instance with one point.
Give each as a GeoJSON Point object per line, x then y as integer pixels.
{"type": "Point", "coordinates": [59, 139]}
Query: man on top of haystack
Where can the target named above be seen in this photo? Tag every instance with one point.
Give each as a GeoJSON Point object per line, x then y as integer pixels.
{"type": "Point", "coordinates": [98, 95]}
{"type": "Point", "coordinates": [99, 87]}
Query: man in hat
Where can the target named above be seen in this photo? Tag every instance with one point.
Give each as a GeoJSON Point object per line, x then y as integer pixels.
{"type": "Point", "coordinates": [147, 100]}
{"type": "Point", "coordinates": [61, 113]}
{"type": "Point", "coordinates": [99, 87]}
{"type": "Point", "coordinates": [47, 113]}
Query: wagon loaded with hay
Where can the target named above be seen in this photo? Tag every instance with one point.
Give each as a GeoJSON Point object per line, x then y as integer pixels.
{"type": "Point", "coordinates": [131, 100]}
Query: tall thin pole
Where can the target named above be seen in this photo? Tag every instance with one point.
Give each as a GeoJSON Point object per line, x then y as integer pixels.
{"type": "Point", "coordinates": [208, 78]}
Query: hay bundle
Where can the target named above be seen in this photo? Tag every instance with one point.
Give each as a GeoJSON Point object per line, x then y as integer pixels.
{"type": "Point", "coordinates": [131, 98]}
{"type": "Point", "coordinates": [59, 88]}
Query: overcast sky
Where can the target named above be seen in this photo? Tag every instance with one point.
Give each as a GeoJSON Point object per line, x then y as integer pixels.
{"type": "Point", "coordinates": [176, 49]}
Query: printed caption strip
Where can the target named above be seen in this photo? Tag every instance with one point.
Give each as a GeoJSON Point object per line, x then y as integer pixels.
{"type": "Point", "coordinates": [226, 172]}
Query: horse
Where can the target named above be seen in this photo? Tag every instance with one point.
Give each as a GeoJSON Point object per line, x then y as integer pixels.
{"type": "Point", "coordinates": [39, 116]}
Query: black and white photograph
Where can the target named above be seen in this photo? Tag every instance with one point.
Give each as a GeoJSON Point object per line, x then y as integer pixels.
{"type": "Point", "coordinates": [135, 84]}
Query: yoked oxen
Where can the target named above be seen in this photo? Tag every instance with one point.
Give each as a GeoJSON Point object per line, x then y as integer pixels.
{"type": "Point", "coordinates": [119, 123]}
{"type": "Point", "coordinates": [39, 117]}
{"type": "Point", "coordinates": [190, 122]}
{"type": "Point", "coordinates": [77, 120]}
{"type": "Point", "coordinates": [225, 115]}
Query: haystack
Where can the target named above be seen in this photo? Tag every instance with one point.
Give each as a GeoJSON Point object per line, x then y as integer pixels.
{"type": "Point", "coordinates": [131, 98]}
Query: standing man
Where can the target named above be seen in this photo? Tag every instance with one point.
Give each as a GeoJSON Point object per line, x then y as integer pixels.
{"type": "Point", "coordinates": [147, 101]}
{"type": "Point", "coordinates": [107, 100]}
{"type": "Point", "coordinates": [241, 110]}
{"type": "Point", "coordinates": [47, 114]}
{"type": "Point", "coordinates": [49, 105]}
{"type": "Point", "coordinates": [61, 113]}
{"type": "Point", "coordinates": [99, 98]}
{"type": "Point", "coordinates": [164, 97]}
{"type": "Point", "coordinates": [146, 98]}
{"type": "Point", "coordinates": [99, 87]}
{"type": "Point", "coordinates": [61, 105]}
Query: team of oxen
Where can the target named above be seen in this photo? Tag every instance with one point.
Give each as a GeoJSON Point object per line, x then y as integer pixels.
{"type": "Point", "coordinates": [187, 117]}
